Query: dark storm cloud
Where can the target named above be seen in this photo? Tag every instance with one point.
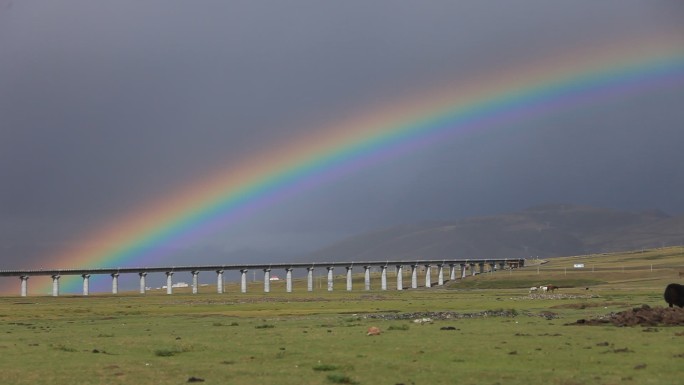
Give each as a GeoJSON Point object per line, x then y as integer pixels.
{"type": "Point", "coordinates": [107, 105]}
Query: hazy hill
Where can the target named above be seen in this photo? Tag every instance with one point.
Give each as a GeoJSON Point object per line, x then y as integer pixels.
{"type": "Point", "coordinates": [545, 231]}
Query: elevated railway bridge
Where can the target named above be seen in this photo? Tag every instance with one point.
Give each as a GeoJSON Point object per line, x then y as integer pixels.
{"type": "Point", "coordinates": [458, 269]}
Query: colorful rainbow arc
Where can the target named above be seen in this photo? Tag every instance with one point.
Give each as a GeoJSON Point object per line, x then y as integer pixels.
{"type": "Point", "coordinates": [262, 180]}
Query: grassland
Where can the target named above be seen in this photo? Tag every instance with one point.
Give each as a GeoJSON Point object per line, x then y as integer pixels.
{"type": "Point", "coordinates": [320, 337]}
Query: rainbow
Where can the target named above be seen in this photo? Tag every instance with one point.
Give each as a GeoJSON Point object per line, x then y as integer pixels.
{"type": "Point", "coordinates": [581, 77]}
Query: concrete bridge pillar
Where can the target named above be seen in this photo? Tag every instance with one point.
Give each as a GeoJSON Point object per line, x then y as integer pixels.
{"type": "Point", "coordinates": [414, 276]}
{"type": "Point", "coordinates": [24, 285]}
{"type": "Point", "coordinates": [309, 279]}
{"type": "Point", "coordinates": [452, 272]}
{"type": "Point", "coordinates": [481, 265]}
{"type": "Point", "coordinates": [400, 277]}
{"type": "Point", "coordinates": [243, 280]}
{"type": "Point", "coordinates": [428, 276]}
{"type": "Point", "coordinates": [288, 280]}
{"type": "Point", "coordinates": [169, 282]}
{"type": "Point", "coordinates": [349, 278]}
{"type": "Point", "coordinates": [463, 270]}
{"type": "Point", "coordinates": [115, 283]}
{"type": "Point", "coordinates": [472, 269]}
{"type": "Point", "coordinates": [195, 281]}
{"type": "Point", "coordinates": [55, 285]}
{"type": "Point", "coordinates": [267, 280]}
{"type": "Point", "coordinates": [440, 275]}
{"type": "Point", "coordinates": [219, 281]}
{"type": "Point", "coordinates": [86, 284]}
{"type": "Point", "coordinates": [330, 277]}
{"type": "Point", "coordinates": [502, 265]}
{"type": "Point", "coordinates": [383, 277]}
{"type": "Point", "coordinates": [143, 286]}
{"type": "Point", "coordinates": [492, 266]}
{"type": "Point", "coordinates": [366, 278]}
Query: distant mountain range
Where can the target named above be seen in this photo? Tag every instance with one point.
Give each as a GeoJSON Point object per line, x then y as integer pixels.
{"type": "Point", "coordinates": [544, 231]}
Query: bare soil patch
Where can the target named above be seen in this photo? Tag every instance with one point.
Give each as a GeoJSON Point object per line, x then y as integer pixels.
{"type": "Point", "coordinates": [639, 316]}
{"type": "Point", "coordinates": [586, 305]}
{"type": "Point", "coordinates": [430, 316]}
{"type": "Point", "coordinates": [542, 296]}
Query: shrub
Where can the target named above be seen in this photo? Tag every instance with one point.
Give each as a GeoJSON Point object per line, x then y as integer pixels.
{"type": "Point", "coordinates": [165, 352]}
{"type": "Point", "coordinates": [340, 379]}
{"type": "Point", "coordinates": [65, 348]}
{"type": "Point", "coordinates": [264, 326]}
{"type": "Point", "coordinates": [168, 352]}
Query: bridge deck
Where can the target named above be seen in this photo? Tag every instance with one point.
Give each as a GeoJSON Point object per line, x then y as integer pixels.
{"type": "Point", "coordinates": [518, 262]}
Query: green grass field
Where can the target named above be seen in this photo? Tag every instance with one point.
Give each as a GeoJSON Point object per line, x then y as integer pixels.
{"type": "Point", "coordinates": [320, 338]}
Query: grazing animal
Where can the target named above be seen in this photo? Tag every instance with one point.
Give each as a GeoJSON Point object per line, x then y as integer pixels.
{"type": "Point", "coordinates": [551, 288]}
{"type": "Point", "coordinates": [533, 288]}
{"type": "Point", "coordinates": [674, 294]}
{"type": "Point", "coordinates": [543, 288]}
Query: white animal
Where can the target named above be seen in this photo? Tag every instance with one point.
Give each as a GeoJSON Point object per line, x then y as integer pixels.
{"type": "Point", "coordinates": [533, 289]}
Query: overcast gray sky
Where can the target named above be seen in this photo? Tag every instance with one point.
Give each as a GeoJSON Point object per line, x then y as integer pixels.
{"type": "Point", "coordinates": [106, 105]}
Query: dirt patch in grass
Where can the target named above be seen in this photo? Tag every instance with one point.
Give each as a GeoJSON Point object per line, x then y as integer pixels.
{"type": "Point", "coordinates": [536, 296]}
{"type": "Point", "coordinates": [586, 305]}
{"type": "Point", "coordinates": [429, 317]}
{"type": "Point", "coordinates": [643, 316]}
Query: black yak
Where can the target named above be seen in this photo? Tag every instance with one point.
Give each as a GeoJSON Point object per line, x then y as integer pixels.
{"type": "Point", "coordinates": [674, 294]}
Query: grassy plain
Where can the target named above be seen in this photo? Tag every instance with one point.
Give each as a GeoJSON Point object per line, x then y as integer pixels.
{"type": "Point", "coordinates": [320, 337]}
